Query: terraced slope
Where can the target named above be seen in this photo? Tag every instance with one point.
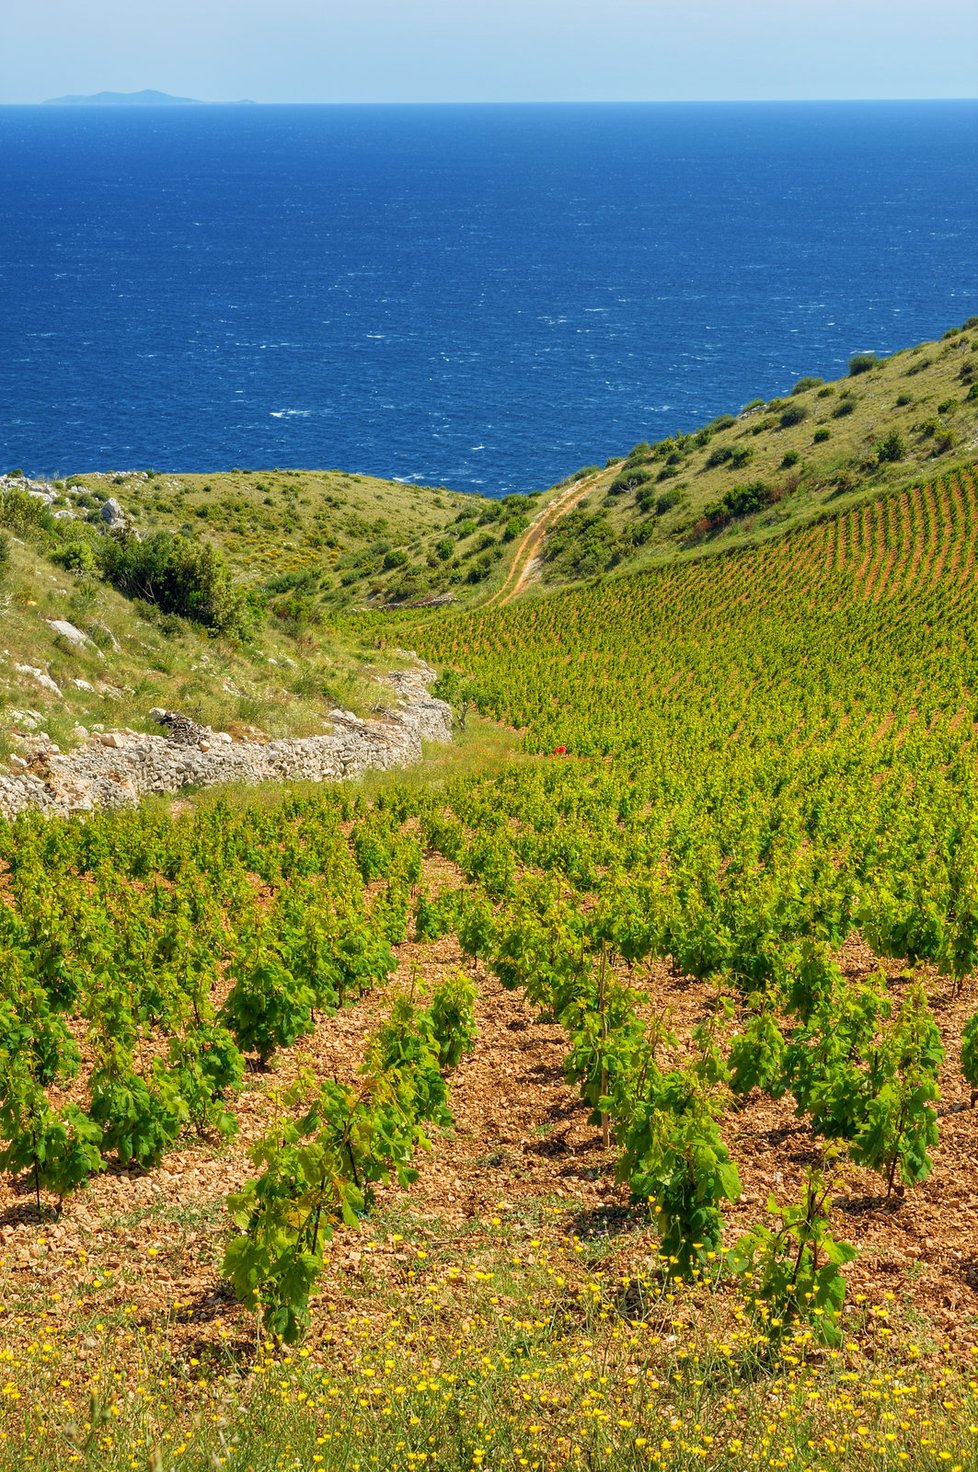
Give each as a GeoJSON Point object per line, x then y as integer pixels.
{"type": "Point", "coordinates": [870, 610]}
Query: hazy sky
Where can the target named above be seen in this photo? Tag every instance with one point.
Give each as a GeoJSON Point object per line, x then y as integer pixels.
{"type": "Point", "coordinates": [490, 50]}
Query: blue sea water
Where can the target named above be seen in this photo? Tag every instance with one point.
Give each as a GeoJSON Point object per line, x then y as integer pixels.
{"type": "Point", "coordinates": [484, 297]}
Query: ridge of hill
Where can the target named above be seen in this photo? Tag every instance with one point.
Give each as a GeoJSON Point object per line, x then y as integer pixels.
{"type": "Point", "coordinates": [146, 98]}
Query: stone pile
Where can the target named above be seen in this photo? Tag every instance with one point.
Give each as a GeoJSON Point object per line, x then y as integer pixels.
{"type": "Point", "coordinates": [116, 768]}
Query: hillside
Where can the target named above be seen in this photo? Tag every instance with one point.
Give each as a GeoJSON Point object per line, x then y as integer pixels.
{"type": "Point", "coordinates": [118, 658]}
{"type": "Point", "coordinates": [598, 1093]}
{"type": "Point", "coordinates": [262, 647]}
{"type": "Point", "coordinates": [771, 466]}
{"type": "Point", "coordinates": [339, 540]}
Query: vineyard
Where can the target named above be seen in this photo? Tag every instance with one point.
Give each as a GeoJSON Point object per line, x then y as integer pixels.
{"type": "Point", "coordinates": [611, 1104]}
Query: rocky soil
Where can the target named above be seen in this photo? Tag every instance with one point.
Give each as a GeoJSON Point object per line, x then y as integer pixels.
{"type": "Point", "coordinates": [117, 768]}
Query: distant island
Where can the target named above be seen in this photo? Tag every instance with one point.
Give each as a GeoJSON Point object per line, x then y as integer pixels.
{"type": "Point", "coordinates": [147, 98]}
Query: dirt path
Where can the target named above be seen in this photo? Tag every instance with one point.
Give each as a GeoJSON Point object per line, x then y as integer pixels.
{"type": "Point", "coordinates": [528, 547]}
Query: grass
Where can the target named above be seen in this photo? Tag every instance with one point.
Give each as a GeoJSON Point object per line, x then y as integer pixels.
{"type": "Point", "coordinates": [138, 659]}
{"type": "Point", "coordinates": [514, 1343]}
{"type": "Point", "coordinates": [339, 540]}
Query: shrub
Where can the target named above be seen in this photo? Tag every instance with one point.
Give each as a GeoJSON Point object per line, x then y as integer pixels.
{"type": "Point", "coordinates": [820, 436]}
{"type": "Point", "coordinates": [667, 501]}
{"type": "Point", "coordinates": [891, 448]}
{"type": "Point", "coordinates": [847, 406]}
{"type": "Point", "coordinates": [804, 384]}
{"type": "Point", "coordinates": [947, 406]}
{"type": "Point", "coordinates": [791, 457]}
{"type": "Point", "coordinates": [76, 550]}
{"type": "Point", "coordinates": [793, 414]}
{"type": "Point", "coordinates": [582, 545]}
{"type": "Point", "coordinates": [740, 457]}
{"type": "Point", "coordinates": [23, 513]}
{"type": "Point", "coordinates": [178, 575]}
{"type": "Point", "coordinates": [862, 363]}
{"type": "Point", "coordinates": [629, 480]}
{"type": "Point", "coordinates": [4, 557]}
{"type": "Point", "coordinates": [903, 400]}
{"type": "Point", "coordinates": [719, 455]}
{"type": "Point", "coordinates": [740, 500]}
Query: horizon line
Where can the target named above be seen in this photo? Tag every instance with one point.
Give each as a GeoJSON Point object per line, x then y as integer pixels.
{"type": "Point", "coordinates": [496, 102]}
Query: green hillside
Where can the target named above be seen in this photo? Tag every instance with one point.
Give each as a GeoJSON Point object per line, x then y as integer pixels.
{"type": "Point", "coordinates": [134, 656]}
{"type": "Point", "coordinates": [759, 471]}
{"type": "Point", "coordinates": [335, 539]}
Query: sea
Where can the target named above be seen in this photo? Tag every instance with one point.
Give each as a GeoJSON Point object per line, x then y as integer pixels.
{"type": "Point", "coordinates": [484, 297]}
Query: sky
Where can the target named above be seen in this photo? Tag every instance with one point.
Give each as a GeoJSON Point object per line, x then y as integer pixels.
{"type": "Point", "coordinates": [490, 50]}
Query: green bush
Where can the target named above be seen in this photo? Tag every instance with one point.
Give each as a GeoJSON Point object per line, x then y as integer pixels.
{"type": "Point", "coordinates": [820, 436]}
{"type": "Point", "coordinates": [741, 500]}
{"type": "Point", "coordinates": [178, 575]}
{"type": "Point", "coordinates": [804, 384]}
{"type": "Point", "coordinates": [24, 514]}
{"type": "Point", "coordinates": [793, 414]}
{"type": "Point", "coordinates": [847, 406]}
{"type": "Point", "coordinates": [891, 448]}
{"type": "Point", "coordinates": [862, 363]}
{"type": "Point", "coordinates": [790, 457]}
{"type": "Point", "coordinates": [629, 480]}
{"type": "Point", "coordinates": [667, 501]}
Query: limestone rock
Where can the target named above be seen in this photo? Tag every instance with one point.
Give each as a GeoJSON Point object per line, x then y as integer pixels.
{"type": "Point", "coordinates": [75, 637]}
{"type": "Point", "coordinates": [112, 513]}
{"type": "Point", "coordinates": [39, 677]}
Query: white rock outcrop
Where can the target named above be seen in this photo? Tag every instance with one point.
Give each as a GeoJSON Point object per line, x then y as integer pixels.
{"type": "Point", "coordinates": [73, 635]}
{"type": "Point", "coordinates": [40, 677]}
{"type": "Point", "coordinates": [115, 769]}
{"type": "Point", "coordinates": [112, 513]}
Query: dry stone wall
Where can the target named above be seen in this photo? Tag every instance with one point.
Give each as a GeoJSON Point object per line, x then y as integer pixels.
{"type": "Point", "coordinates": [117, 768]}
